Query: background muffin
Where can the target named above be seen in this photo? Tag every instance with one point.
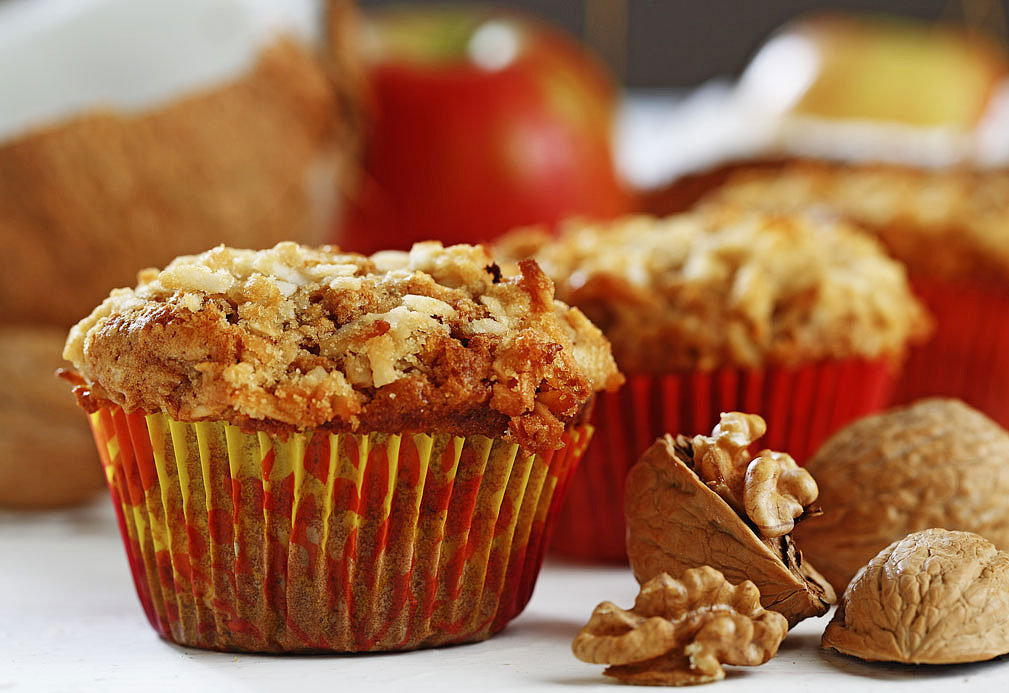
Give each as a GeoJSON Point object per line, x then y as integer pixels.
{"type": "Point", "coordinates": [220, 124]}
{"type": "Point", "coordinates": [409, 421]}
{"type": "Point", "coordinates": [799, 319]}
{"type": "Point", "coordinates": [916, 213]}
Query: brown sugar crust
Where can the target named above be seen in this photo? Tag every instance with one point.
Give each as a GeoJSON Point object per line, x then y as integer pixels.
{"type": "Point", "coordinates": [946, 224]}
{"type": "Point", "coordinates": [295, 338]}
{"type": "Point", "coordinates": [86, 202]}
{"type": "Point", "coordinates": [728, 288]}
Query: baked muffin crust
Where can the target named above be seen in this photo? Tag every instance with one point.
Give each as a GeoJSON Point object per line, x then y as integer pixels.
{"type": "Point", "coordinates": [725, 287]}
{"type": "Point", "coordinates": [942, 223]}
{"type": "Point", "coordinates": [296, 338]}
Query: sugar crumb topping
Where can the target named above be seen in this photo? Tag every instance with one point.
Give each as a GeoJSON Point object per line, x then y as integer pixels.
{"type": "Point", "coordinates": [298, 337]}
{"type": "Point", "coordinates": [912, 210]}
{"type": "Point", "coordinates": [728, 287]}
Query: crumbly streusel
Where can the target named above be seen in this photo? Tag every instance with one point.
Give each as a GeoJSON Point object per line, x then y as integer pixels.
{"type": "Point", "coordinates": [945, 223]}
{"type": "Point", "coordinates": [727, 288]}
{"type": "Point", "coordinates": [296, 338]}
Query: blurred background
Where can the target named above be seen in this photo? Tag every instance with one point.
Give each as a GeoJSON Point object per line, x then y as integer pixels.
{"type": "Point", "coordinates": [134, 131]}
{"type": "Point", "coordinates": [678, 43]}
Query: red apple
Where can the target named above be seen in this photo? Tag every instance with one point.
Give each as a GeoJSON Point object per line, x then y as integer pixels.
{"type": "Point", "coordinates": [481, 121]}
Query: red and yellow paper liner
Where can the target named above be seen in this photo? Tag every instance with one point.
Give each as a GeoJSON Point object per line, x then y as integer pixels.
{"type": "Point", "coordinates": [968, 355]}
{"type": "Point", "coordinates": [802, 407]}
{"type": "Point", "coordinates": [328, 542]}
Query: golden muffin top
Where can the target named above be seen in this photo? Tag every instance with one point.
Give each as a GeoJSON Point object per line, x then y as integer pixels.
{"type": "Point", "coordinates": [729, 288]}
{"type": "Point", "coordinates": [948, 224]}
{"type": "Point", "coordinates": [295, 338]}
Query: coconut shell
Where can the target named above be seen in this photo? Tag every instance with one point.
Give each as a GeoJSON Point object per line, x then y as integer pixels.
{"type": "Point", "coordinates": [47, 457]}
{"type": "Point", "coordinates": [87, 202]}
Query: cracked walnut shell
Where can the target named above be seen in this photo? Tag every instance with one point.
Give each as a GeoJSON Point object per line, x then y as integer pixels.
{"type": "Point", "coordinates": [936, 463]}
{"type": "Point", "coordinates": [934, 597]}
{"type": "Point", "coordinates": [680, 632]}
{"type": "Point", "coordinates": [677, 519]}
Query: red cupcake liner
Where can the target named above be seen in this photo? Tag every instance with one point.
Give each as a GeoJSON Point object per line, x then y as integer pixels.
{"type": "Point", "coordinates": [968, 355]}
{"type": "Point", "coordinates": [802, 406]}
{"type": "Point", "coordinates": [325, 542]}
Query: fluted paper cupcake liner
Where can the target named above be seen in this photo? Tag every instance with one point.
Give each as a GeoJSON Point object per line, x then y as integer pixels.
{"type": "Point", "coordinates": [328, 542]}
{"type": "Point", "coordinates": [802, 406]}
{"type": "Point", "coordinates": [968, 355]}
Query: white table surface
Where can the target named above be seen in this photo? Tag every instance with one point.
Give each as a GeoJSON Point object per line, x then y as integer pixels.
{"type": "Point", "coordinates": [70, 621]}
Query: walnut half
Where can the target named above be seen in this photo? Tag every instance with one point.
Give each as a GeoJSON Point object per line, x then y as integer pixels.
{"type": "Point", "coordinates": [770, 489]}
{"type": "Point", "coordinates": [707, 501]}
{"type": "Point", "coordinates": [721, 459]}
{"type": "Point", "coordinates": [934, 597]}
{"type": "Point", "coordinates": [680, 632]}
{"type": "Point", "coordinates": [775, 492]}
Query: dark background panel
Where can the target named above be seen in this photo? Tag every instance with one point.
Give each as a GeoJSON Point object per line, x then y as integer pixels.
{"type": "Point", "coordinates": [653, 43]}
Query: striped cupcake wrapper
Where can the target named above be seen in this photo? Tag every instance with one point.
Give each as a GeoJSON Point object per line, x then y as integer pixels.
{"type": "Point", "coordinates": [327, 542]}
{"type": "Point", "coordinates": [968, 355]}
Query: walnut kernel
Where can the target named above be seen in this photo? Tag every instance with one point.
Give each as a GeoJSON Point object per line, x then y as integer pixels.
{"type": "Point", "coordinates": [769, 489]}
{"type": "Point", "coordinates": [680, 632]}
{"type": "Point", "coordinates": [776, 491]}
{"type": "Point", "coordinates": [721, 459]}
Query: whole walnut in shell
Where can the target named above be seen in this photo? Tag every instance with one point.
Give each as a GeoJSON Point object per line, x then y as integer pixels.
{"type": "Point", "coordinates": [936, 463]}
{"type": "Point", "coordinates": [680, 632]}
{"type": "Point", "coordinates": [708, 501]}
{"type": "Point", "coordinates": [934, 597]}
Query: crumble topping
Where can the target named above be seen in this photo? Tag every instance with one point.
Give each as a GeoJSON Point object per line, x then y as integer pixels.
{"type": "Point", "coordinates": [293, 338]}
{"type": "Point", "coordinates": [913, 211]}
{"type": "Point", "coordinates": [728, 287]}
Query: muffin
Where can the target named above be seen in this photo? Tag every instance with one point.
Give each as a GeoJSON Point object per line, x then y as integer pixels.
{"type": "Point", "coordinates": [936, 463]}
{"type": "Point", "coordinates": [800, 320]}
{"type": "Point", "coordinates": [899, 126]}
{"type": "Point", "coordinates": [226, 127]}
{"type": "Point", "coordinates": [318, 451]}
{"type": "Point", "coordinates": [914, 212]}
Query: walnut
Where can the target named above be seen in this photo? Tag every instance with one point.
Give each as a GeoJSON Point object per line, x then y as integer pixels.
{"type": "Point", "coordinates": [722, 458]}
{"type": "Point", "coordinates": [936, 463]}
{"type": "Point", "coordinates": [675, 521]}
{"type": "Point", "coordinates": [776, 491]}
{"type": "Point", "coordinates": [680, 632]}
{"type": "Point", "coordinates": [934, 597]}
{"type": "Point", "coordinates": [770, 489]}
